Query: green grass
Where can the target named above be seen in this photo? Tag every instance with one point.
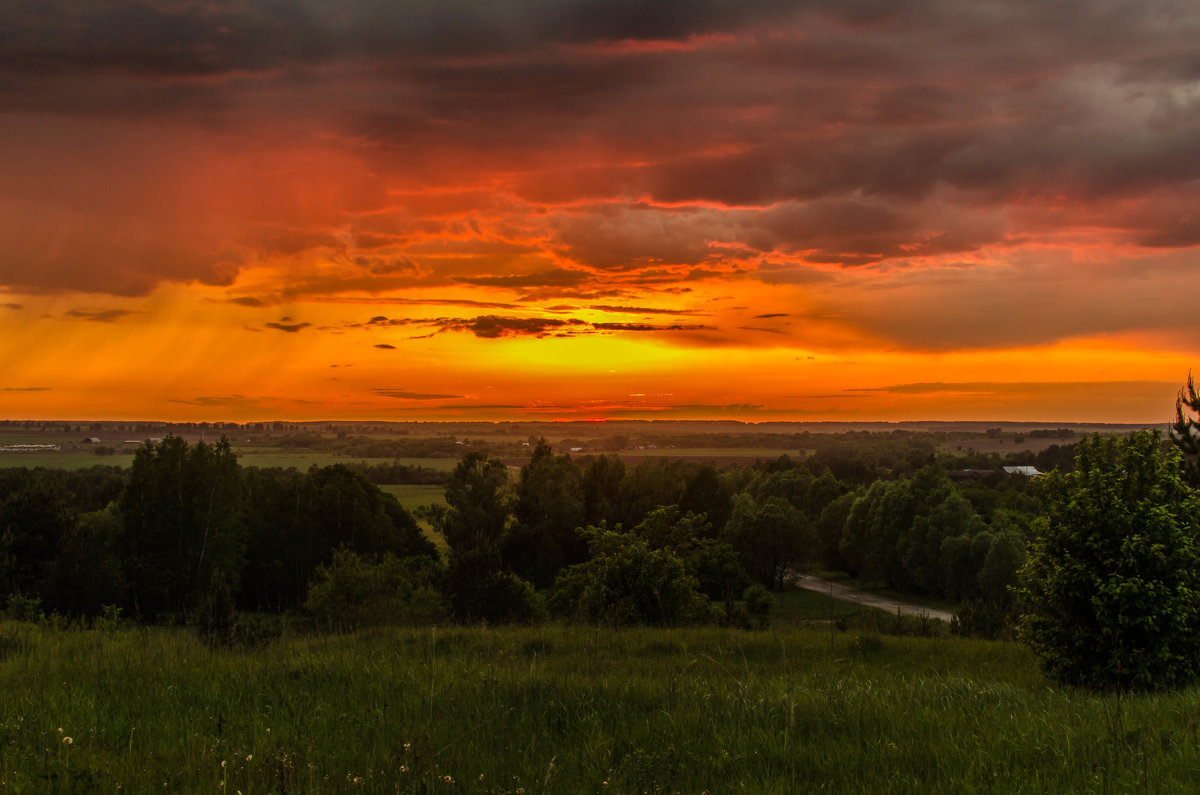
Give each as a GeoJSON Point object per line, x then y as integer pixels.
{"type": "Point", "coordinates": [569, 710]}
{"type": "Point", "coordinates": [65, 459]}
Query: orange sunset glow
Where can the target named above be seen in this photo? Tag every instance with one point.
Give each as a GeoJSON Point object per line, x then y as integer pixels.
{"type": "Point", "coordinates": [598, 210]}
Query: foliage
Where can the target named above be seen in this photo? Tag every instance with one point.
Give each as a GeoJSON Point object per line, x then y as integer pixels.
{"type": "Point", "coordinates": [182, 519]}
{"type": "Point", "coordinates": [1185, 431]}
{"type": "Point", "coordinates": [626, 581]}
{"type": "Point", "coordinates": [773, 538]}
{"type": "Point", "coordinates": [1111, 590]}
{"type": "Point", "coordinates": [295, 523]}
{"type": "Point", "coordinates": [353, 591]}
{"type": "Point", "coordinates": [548, 509]}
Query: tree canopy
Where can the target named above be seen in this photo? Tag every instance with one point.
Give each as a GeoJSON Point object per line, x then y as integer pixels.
{"type": "Point", "coordinates": [1111, 589]}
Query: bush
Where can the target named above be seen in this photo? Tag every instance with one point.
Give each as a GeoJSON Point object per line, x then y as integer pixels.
{"type": "Point", "coordinates": [1111, 589]}
{"type": "Point", "coordinates": [627, 582]}
{"type": "Point", "coordinates": [354, 592]}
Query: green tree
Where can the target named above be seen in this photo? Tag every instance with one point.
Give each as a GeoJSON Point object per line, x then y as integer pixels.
{"type": "Point", "coordinates": [873, 528]}
{"type": "Point", "coordinates": [183, 518]}
{"type": "Point", "coordinates": [1111, 589]}
{"type": "Point", "coordinates": [772, 538]}
{"type": "Point", "coordinates": [355, 591]}
{"type": "Point", "coordinates": [628, 582]}
{"type": "Point", "coordinates": [548, 509]}
{"type": "Point", "coordinates": [1185, 431]}
{"type": "Point", "coordinates": [480, 586]}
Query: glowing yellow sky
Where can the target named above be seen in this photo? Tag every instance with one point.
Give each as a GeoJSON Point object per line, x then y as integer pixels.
{"type": "Point", "coordinates": [443, 211]}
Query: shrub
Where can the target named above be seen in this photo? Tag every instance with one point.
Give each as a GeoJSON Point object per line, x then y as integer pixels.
{"type": "Point", "coordinates": [1111, 589]}
{"type": "Point", "coordinates": [627, 582]}
{"type": "Point", "coordinates": [353, 592]}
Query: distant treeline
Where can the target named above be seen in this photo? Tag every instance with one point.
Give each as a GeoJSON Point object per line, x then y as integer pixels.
{"type": "Point", "coordinates": [187, 534]}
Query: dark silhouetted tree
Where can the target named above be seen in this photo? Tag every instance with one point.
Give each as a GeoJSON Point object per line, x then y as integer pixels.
{"type": "Point", "coordinates": [183, 518]}
{"type": "Point", "coordinates": [1185, 431]}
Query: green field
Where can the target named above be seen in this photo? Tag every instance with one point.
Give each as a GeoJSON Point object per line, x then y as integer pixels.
{"type": "Point", "coordinates": [569, 710]}
{"type": "Point", "coordinates": [65, 459]}
{"type": "Point", "coordinates": [410, 496]}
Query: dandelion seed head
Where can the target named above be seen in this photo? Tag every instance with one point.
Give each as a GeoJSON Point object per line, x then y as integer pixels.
{"type": "Point", "coordinates": [67, 741]}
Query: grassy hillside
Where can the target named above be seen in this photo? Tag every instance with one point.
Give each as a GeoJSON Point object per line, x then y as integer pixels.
{"type": "Point", "coordinates": [568, 710]}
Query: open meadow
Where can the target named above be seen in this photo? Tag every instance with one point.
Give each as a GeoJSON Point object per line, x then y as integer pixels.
{"type": "Point", "coordinates": [568, 709]}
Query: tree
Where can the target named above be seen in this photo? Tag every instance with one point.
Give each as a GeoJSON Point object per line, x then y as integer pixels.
{"type": "Point", "coordinates": [772, 538]}
{"type": "Point", "coordinates": [183, 518]}
{"type": "Point", "coordinates": [353, 591]}
{"type": "Point", "coordinates": [1185, 431]}
{"type": "Point", "coordinates": [474, 523]}
{"type": "Point", "coordinates": [548, 508]}
{"type": "Point", "coordinates": [1111, 588]}
{"type": "Point", "coordinates": [626, 581]}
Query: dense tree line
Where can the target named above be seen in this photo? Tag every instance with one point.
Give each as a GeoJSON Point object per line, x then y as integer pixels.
{"type": "Point", "coordinates": [186, 530]}
{"type": "Point", "coordinates": [185, 522]}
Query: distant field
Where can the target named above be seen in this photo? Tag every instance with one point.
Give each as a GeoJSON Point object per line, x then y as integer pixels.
{"type": "Point", "coordinates": [412, 496]}
{"type": "Point", "coordinates": [66, 459]}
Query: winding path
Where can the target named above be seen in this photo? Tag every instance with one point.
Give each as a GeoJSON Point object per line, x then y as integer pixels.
{"type": "Point", "coordinates": [810, 583]}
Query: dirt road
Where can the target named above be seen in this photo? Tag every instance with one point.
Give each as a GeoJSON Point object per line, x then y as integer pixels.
{"type": "Point", "coordinates": [828, 588]}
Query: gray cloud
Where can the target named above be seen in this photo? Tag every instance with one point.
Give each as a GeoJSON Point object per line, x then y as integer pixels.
{"type": "Point", "coordinates": [290, 328]}
{"type": "Point", "coordinates": [401, 394]}
{"type": "Point", "coordinates": [100, 315]}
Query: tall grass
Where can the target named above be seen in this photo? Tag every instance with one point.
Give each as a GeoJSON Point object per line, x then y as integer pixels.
{"type": "Point", "coordinates": [567, 710]}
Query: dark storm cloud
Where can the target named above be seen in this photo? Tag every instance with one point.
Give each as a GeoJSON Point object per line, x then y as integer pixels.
{"type": "Point", "coordinates": [840, 133]}
{"type": "Point", "coordinates": [206, 38]}
{"type": "Point", "coordinates": [500, 326]}
{"type": "Point", "coordinates": [640, 310]}
{"type": "Point", "coordinates": [100, 315]}
{"type": "Point", "coordinates": [290, 328]}
{"type": "Point", "coordinates": [493, 327]}
{"type": "Point", "coordinates": [401, 394]}
{"type": "Point", "coordinates": [248, 300]}
{"type": "Point", "coordinates": [558, 277]}
{"type": "Point", "coordinates": [649, 327]}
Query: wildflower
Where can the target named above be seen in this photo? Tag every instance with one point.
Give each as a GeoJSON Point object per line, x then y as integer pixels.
{"type": "Point", "coordinates": [60, 729]}
{"type": "Point", "coordinates": [222, 764]}
{"type": "Point", "coordinates": [249, 757]}
{"type": "Point", "coordinates": [407, 746]}
{"type": "Point", "coordinates": [403, 768]}
{"type": "Point", "coordinates": [67, 741]}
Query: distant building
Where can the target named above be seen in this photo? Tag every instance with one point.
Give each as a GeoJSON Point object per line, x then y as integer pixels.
{"type": "Point", "coordinates": [1029, 472]}
{"type": "Point", "coordinates": [91, 440]}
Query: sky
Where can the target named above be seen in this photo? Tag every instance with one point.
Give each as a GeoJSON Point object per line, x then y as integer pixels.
{"type": "Point", "coordinates": [598, 209]}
